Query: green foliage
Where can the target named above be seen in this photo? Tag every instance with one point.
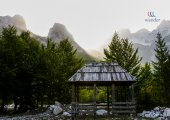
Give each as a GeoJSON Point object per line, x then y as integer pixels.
{"type": "Point", "coordinates": [101, 95]}
{"type": "Point", "coordinates": [68, 64]}
{"type": "Point", "coordinates": [161, 55]}
{"type": "Point", "coordinates": [35, 73]}
{"type": "Point", "coordinates": [144, 89]}
{"type": "Point", "coordinates": [160, 70]}
{"type": "Point", "coordinates": [122, 52]}
{"type": "Point", "coordinates": [154, 85]}
{"type": "Point", "coordinates": [87, 94]}
{"type": "Point", "coordinates": [166, 78]}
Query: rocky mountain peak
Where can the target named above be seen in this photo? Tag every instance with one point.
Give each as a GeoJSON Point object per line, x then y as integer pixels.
{"type": "Point", "coordinates": [125, 33]}
{"type": "Point", "coordinates": [59, 32]}
{"type": "Point", "coordinates": [19, 22]}
{"type": "Point", "coordinates": [163, 28]}
{"type": "Point", "coordinates": [143, 31]}
{"type": "Point", "coordinates": [16, 21]}
{"type": "Point", "coordinates": [165, 24]}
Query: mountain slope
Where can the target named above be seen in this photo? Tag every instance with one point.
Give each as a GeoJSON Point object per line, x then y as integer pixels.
{"type": "Point", "coordinates": [144, 40]}
{"type": "Point", "coordinates": [57, 33]}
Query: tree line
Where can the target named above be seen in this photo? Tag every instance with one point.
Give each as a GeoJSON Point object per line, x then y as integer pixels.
{"type": "Point", "coordinates": [33, 74]}
{"type": "Point", "coordinates": [153, 79]}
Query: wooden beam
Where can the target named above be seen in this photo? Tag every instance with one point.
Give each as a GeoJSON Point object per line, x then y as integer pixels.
{"type": "Point", "coordinates": [113, 96]}
{"type": "Point", "coordinates": [133, 98]}
{"type": "Point", "coordinates": [133, 94]}
{"type": "Point", "coordinates": [94, 98]}
{"type": "Point", "coordinates": [73, 93]}
{"type": "Point", "coordinates": [73, 104]}
{"type": "Point", "coordinates": [108, 99]}
{"type": "Point", "coordinates": [77, 93]}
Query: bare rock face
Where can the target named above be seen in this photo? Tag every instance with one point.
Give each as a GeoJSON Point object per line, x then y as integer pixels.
{"type": "Point", "coordinates": [144, 40]}
{"type": "Point", "coordinates": [59, 32]}
{"type": "Point", "coordinates": [16, 21]}
{"type": "Point", "coordinates": [19, 22]}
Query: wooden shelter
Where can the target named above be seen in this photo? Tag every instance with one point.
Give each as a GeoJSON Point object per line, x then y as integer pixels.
{"type": "Point", "coordinates": [110, 75]}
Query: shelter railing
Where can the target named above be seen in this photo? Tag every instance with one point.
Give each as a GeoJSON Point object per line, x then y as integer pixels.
{"type": "Point", "coordinates": [84, 108]}
{"type": "Point", "coordinates": [124, 108]}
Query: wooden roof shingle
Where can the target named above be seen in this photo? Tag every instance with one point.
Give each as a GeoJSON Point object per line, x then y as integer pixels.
{"type": "Point", "coordinates": [101, 72]}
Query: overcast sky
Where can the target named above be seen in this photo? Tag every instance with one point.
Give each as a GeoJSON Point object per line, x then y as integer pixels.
{"type": "Point", "coordinates": [91, 22]}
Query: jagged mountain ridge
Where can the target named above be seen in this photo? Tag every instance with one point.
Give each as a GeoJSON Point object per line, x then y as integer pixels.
{"type": "Point", "coordinates": [144, 39]}
{"type": "Point", "coordinates": [17, 21]}
{"type": "Point", "coordinates": [57, 33]}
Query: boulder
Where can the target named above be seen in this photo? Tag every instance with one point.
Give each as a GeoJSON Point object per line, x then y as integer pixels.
{"type": "Point", "coordinates": [66, 114]}
{"type": "Point", "coordinates": [166, 112]}
{"type": "Point", "coordinates": [157, 108]}
{"type": "Point", "coordinates": [101, 112]}
{"type": "Point", "coordinates": [150, 114]}
{"type": "Point", "coordinates": [144, 113]}
{"type": "Point", "coordinates": [154, 115]}
{"type": "Point", "coordinates": [58, 104]}
{"type": "Point", "coordinates": [57, 110]}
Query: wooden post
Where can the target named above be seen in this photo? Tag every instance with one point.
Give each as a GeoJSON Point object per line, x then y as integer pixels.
{"type": "Point", "coordinates": [76, 93]}
{"type": "Point", "coordinates": [113, 97]}
{"type": "Point", "coordinates": [133, 94]}
{"type": "Point", "coordinates": [73, 93]}
{"type": "Point", "coordinates": [73, 102]}
{"type": "Point", "coordinates": [77, 99]}
{"type": "Point", "coordinates": [133, 99]}
{"type": "Point", "coordinates": [108, 99]}
{"type": "Point", "coordinates": [94, 98]}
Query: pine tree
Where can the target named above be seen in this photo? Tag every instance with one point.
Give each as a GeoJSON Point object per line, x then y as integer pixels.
{"type": "Point", "coordinates": [166, 77]}
{"type": "Point", "coordinates": [161, 54]}
{"type": "Point", "coordinates": [68, 64]}
{"type": "Point", "coordinates": [9, 48]}
{"type": "Point", "coordinates": [122, 52]}
{"type": "Point", "coordinates": [143, 89]}
{"type": "Point", "coordinates": [36, 74]}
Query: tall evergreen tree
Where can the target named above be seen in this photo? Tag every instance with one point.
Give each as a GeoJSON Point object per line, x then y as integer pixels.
{"type": "Point", "coordinates": [161, 54]}
{"type": "Point", "coordinates": [36, 74]}
{"type": "Point", "coordinates": [122, 52]}
{"type": "Point", "coordinates": [143, 89]}
{"type": "Point", "coordinates": [10, 55]}
{"type": "Point", "coordinates": [166, 77]}
{"type": "Point", "coordinates": [68, 63]}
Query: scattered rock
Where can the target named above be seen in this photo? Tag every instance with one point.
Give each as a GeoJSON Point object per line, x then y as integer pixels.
{"type": "Point", "coordinates": [66, 114]}
{"type": "Point", "coordinates": [166, 112]}
{"type": "Point", "coordinates": [57, 110]}
{"type": "Point", "coordinates": [157, 108]}
{"type": "Point", "coordinates": [150, 114]}
{"type": "Point", "coordinates": [101, 112]}
{"type": "Point", "coordinates": [161, 113]}
{"type": "Point", "coordinates": [58, 104]}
